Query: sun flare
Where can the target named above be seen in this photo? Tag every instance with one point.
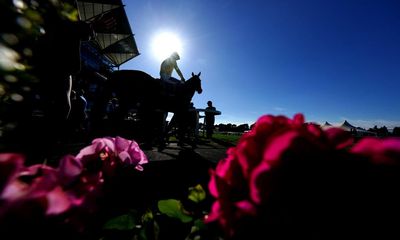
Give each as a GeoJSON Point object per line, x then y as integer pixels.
{"type": "Point", "coordinates": [164, 44]}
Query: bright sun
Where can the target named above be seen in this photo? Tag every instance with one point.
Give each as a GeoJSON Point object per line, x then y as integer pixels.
{"type": "Point", "coordinates": [164, 44]}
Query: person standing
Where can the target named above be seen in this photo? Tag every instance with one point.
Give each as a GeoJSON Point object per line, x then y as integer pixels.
{"type": "Point", "coordinates": [209, 119]}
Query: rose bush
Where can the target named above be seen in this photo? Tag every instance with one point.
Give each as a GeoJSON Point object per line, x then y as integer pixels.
{"type": "Point", "coordinates": [39, 194]}
{"type": "Point", "coordinates": [285, 179]}
{"type": "Point", "coordinates": [291, 179]}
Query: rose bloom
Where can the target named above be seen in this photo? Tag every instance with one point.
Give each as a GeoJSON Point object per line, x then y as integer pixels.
{"type": "Point", "coordinates": [108, 153]}
{"type": "Point", "coordinates": [36, 185]}
{"type": "Point", "coordinates": [44, 200]}
{"type": "Point", "coordinates": [287, 179]}
{"type": "Point", "coordinates": [10, 165]}
{"type": "Point", "coordinates": [53, 190]}
{"type": "Point", "coordinates": [76, 179]}
{"type": "Point", "coordinates": [93, 172]}
{"type": "Point", "coordinates": [40, 201]}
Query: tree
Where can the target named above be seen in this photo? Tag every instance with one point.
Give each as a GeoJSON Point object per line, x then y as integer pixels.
{"type": "Point", "coordinates": [242, 127]}
{"type": "Point", "coordinates": [396, 131]}
{"type": "Point", "coordinates": [383, 132]}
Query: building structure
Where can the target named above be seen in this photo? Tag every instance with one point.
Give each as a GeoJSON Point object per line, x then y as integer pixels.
{"type": "Point", "coordinates": [113, 45]}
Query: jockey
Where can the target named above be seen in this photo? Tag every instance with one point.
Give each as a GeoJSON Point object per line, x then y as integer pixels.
{"type": "Point", "coordinates": [168, 65]}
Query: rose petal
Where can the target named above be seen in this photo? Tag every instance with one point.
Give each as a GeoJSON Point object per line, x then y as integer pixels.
{"type": "Point", "coordinates": [57, 202]}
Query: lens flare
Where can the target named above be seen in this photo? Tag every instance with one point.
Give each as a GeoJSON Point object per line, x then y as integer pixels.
{"type": "Point", "coordinates": [164, 44]}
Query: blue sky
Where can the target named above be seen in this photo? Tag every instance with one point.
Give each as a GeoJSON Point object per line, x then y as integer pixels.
{"type": "Point", "coordinates": [330, 60]}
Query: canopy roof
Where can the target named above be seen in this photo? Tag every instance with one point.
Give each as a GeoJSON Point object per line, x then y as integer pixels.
{"type": "Point", "coordinates": [114, 36]}
{"type": "Point", "coordinates": [327, 124]}
{"type": "Point", "coordinates": [347, 126]}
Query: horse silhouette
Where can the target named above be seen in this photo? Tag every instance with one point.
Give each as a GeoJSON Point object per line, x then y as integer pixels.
{"type": "Point", "coordinates": [152, 98]}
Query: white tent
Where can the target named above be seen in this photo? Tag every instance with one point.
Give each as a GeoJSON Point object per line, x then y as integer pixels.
{"type": "Point", "coordinates": [356, 131]}
{"type": "Point", "coordinates": [347, 126]}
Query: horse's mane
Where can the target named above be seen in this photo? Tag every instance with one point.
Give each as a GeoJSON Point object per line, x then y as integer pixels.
{"type": "Point", "coordinates": [192, 80]}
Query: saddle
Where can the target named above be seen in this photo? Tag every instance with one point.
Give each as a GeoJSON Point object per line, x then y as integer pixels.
{"type": "Point", "coordinates": [171, 87]}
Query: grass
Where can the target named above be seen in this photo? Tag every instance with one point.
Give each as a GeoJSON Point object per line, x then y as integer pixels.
{"type": "Point", "coordinates": [226, 138]}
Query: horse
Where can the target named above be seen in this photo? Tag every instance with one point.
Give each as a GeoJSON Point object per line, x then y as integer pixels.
{"type": "Point", "coordinates": [151, 97]}
{"type": "Point", "coordinates": [188, 123]}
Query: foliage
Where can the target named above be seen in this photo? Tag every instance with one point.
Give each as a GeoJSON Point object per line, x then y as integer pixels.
{"type": "Point", "coordinates": [233, 127]}
{"type": "Point", "coordinates": [24, 23]}
{"type": "Point", "coordinates": [169, 220]}
{"type": "Point", "coordinates": [197, 193]}
{"type": "Point", "coordinates": [123, 222]}
{"type": "Point", "coordinates": [174, 208]}
{"type": "Point", "coordinates": [396, 131]}
{"type": "Point", "coordinates": [380, 132]}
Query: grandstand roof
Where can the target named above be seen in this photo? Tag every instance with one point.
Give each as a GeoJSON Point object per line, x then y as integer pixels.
{"type": "Point", "coordinates": [116, 43]}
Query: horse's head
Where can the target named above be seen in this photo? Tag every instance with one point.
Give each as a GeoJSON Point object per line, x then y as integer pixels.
{"type": "Point", "coordinates": [195, 82]}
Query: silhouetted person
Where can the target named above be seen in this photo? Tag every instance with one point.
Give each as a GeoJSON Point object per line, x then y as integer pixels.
{"type": "Point", "coordinates": [112, 110]}
{"type": "Point", "coordinates": [169, 85]}
{"type": "Point", "coordinates": [78, 114]}
{"type": "Point", "coordinates": [168, 66]}
{"type": "Point", "coordinates": [209, 119]}
{"type": "Point", "coordinates": [193, 122]}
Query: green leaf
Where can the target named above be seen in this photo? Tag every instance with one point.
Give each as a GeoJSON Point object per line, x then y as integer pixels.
{"type": "Point", "coordinates": [147, 216]}
{"type": "Point", "coordinates": [156, 230]}
{"type": "Point", "coordinates": [173, 208]}
{"type": "Point", "coordinates": [123, 222]}
{"type": "Point", "coordinates": [197, 193]}
{"type": "Point", "coordinates": [142, 235]}
{"type": "Point", "coordinates": [70, 12]}
{"type": "Point", "coordinates": [34, 16]}
{"type": "Point", "coordinates": [200, 224]}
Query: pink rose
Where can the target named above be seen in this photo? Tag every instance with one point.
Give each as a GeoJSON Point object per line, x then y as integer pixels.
{"type": "Point", "coordinates": [108, 152]}
{"type": "Point", "coordinates": [286, 175]}
{"type": "Point", "coordinates": [386, 151]}
{"type": "Point", "coordinates": [37, 185]}
{"type": "Point", "coordinates": [68, 195]}
{"type": "Point", "coordinates": [81, 186]}
{"type": "Point", "coordinates": [10, 165]}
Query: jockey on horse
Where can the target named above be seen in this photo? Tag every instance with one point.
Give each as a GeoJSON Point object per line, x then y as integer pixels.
{"type": "Point", "coordinates": [169, 83]}
{"type": "Point", "coordinates": [168, 65]}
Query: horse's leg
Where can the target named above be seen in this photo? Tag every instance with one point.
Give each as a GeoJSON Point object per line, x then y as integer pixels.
{"type": "Point", "coordinates": [98, 112]}
{"type": "Point", "coordinates": [146, 128]}
{"type": "Point", "coordinates": [182, 127]}
{"type": "Point", "coordinates": [169, 130]}
{"type": "Point", "coordinates": [118, 124]}
{"type": "Point", "coordinates": [160, 129]}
